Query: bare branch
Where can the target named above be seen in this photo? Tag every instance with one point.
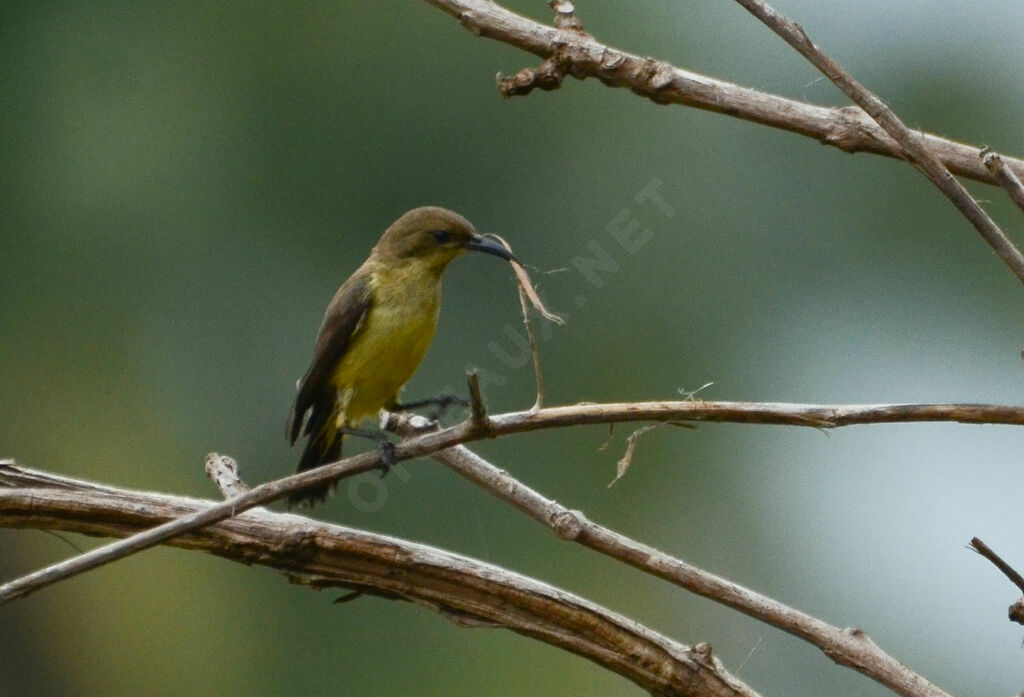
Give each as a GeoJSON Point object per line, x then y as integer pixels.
{"type": "Point", "coordinates": [768, 413]}
{"type": "Point", "coordinates": [477, 408]}
{"type": "Point", "coordinates": [914, 146]}
{"type": "Point", "coordinates": [846, 128]}
{"type": "Point", "coordinates": [257, 496]}
{"type": "Point", "coordinates": [565, 15]}
{"type": "Point", "coordinates": [574, 52]}
{"type": "Point", "coordinates": [1016, 611]}
{"type": "Point", "coordinates": [1009, 181]}
{"type": "Point", "coordinates": [469, 592]}
{"type": "Point", "coordinates": [849, 647]}
{"type": "Point", "coordinates": [815, 416]}
{"type": "Point", "coordinates": [223, 471]}
{"type": "Point", "coordinates": [1010, 573]}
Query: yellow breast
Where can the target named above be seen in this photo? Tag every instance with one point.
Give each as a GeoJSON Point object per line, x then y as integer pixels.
{"type": "Point", "coordinates": [389, 345]}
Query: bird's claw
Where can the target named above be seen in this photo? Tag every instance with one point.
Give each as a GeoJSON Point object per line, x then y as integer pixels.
{"type": "Point", "coordinates": [445, 402]}
{"type": "Point", "coordinates": [387, 457]}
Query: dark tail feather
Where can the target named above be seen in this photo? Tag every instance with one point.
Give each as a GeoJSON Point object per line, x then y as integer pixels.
{"type": "Point", "coordinates": [321, 449]}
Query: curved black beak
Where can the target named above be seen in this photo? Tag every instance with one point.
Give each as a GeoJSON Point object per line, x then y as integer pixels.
{"type": "Point", "coordinates": [485, 244]}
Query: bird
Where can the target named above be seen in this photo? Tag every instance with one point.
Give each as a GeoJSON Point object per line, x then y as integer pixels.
{"type": "Point", "coordinates": [374, 335]}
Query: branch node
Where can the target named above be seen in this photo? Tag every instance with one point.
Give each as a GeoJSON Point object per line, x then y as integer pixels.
{"type": "Point", "coordinates": [223, 472]}
{"type": "Point", "coordinates": [547, 76]}
{"type": "Point", "coordinates": [702, 652]}
{"type": "Point", "coordinates": [653, 78]}
{"type": "Point", "coordinates": [298, 545]}
{"type": "Point", "coordinates": [565, 15]}
{"type": "Point", "coordinates": [1003, 174]}
{"type": "Point", "coordinates": [1016, 612]}
{"type": "Point", "coordinates": [567, 524]}
{"type": "Point", "coordinates": [848, 131]}
{"type": "Point", "coordinates": [663, 76]}
{"type": "Point", "coordinates": [581, 55]}
{"type": "Point", "coordinates": [477, 409]}
{"type": "Point", "coordinates": [857, 633]}
{"type": "Point", "coordinates": [610, 60]}
{"type": "Point", "coordinates": [470, 22]}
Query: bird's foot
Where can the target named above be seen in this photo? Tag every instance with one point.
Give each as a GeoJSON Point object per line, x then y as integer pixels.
{"type": "Point", "coordinates": [445, 402]}
{"type": "Point", "coordinates": [387, 456]}
{"type": "Point", "coordinates": [387, 448]}
{"type": "Point", "coordinates": [441, 404]}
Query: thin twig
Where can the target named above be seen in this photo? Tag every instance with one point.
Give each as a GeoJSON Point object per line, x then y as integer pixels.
{"type": "Point", "coordinates": [1016, 611]}
{"type": "Point", "coordinates": [477, 408]}
{"type": "Point", "coordinates": [848, 647]}
{"type": "Point", "coordinates": [1009, 181]}
{"type": "Point", "coordinates": [815, 416]}
{"type": "Point", "coordinates": [1010, 573]}
{"type": "Point", "coordinates": [466, 591]}
{"type": "Point", "coordinates": [534, 352]}
{"type": "Point", "coordinates": [913, 145]}
{"type": "Point", "coordinates": [847, 128]}
{"type": "Point", "coordinates": [528, 296]}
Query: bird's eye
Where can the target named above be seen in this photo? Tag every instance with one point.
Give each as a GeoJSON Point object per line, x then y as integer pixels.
{"type": "Point", "coordinates": [442, 236]}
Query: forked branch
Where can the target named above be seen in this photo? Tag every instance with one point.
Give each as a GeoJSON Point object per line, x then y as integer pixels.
{"type": "Point", "coordinates": [471, 593]}
{"type": "Point", "coordinates": [848, 647]}
{"type": "Point", "coordinates": [813, 415]}
{"type": "Point", "coordinates": [581, 56]}
{"type": "Point", "coordinates": [914, 146]}
{"type": "Point", "coordinates": [571, 51]}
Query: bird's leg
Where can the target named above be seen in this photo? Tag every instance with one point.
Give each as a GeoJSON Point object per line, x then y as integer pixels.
{"type": "Point", "coordinates": [387, 448]}
{"type": "Point", "coordinates": [441, 403]}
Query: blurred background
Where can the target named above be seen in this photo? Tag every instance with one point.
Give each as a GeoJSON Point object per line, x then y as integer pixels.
{"type": "Point", "coordinates": [184, 185]}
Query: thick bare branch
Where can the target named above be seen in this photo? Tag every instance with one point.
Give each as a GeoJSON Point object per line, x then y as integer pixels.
{"type": "Point", "coordinates": [264, 493]}
{"type": "Point", "coordinates": [574, 52]}
{"type": "Point", "coordinates": [849, 647]}
{"type": "Point", "coordinates": [582, 56]}
{"type": "Point", "coordinates": [471, 593]}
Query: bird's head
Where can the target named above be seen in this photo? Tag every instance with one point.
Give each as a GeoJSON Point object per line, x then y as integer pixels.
{"type": "Point", "coordinates": [434, 236]}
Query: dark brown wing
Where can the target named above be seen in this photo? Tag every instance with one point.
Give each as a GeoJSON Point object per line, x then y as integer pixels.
{"type": "Point", "coordinates": [344, 315]}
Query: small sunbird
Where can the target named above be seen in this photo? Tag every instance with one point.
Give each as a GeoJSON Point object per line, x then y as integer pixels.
{"type": "Point", "coordinates": [375, 332]}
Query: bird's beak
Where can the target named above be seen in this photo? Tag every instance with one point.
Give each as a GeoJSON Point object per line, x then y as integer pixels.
{"type": "Point", "coordinates": [489, 246]}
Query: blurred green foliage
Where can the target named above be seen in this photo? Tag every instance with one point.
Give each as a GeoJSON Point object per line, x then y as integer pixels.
{"type": "Point", "coordinates": [184, 184]}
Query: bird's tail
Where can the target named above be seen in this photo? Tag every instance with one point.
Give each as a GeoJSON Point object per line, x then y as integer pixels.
{"type": "Point", "coordinates": [321, 448]}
